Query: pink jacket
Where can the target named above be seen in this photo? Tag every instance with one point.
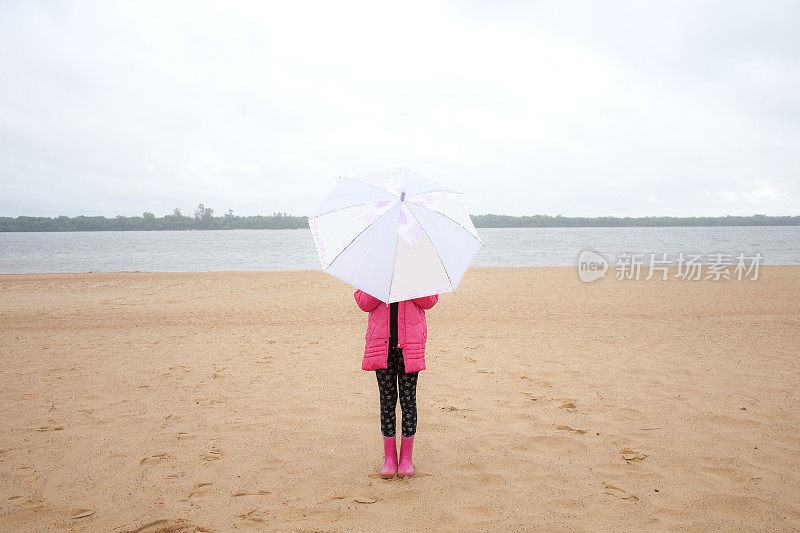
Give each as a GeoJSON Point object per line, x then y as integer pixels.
{"type": "Point", "coordinates": [412, 331]}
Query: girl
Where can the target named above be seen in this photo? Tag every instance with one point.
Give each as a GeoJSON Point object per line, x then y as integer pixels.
{"type": "Point", "coordinates": [395, 350]}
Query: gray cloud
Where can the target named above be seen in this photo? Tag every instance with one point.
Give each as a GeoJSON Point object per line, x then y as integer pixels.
{"type": "Point", "coordinates": [577, 108]}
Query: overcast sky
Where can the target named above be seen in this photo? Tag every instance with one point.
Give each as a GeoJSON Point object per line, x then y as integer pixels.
{"type": "Point", "coordinates": [574, 108]}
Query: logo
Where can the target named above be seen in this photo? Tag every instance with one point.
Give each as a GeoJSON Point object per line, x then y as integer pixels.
{"type": "Point", "coordinates": [591, 266]}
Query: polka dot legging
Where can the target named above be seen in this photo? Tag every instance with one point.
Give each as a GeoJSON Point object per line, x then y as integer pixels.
{"type": "Point", "coordinates": [388, 380]}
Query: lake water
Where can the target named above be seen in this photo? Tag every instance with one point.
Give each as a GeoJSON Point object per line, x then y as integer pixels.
{"type": "Point", "coordinates": [177, 251]}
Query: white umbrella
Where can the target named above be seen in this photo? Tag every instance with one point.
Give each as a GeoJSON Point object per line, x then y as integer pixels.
{"type": "Point", "coordinates": [394, 235]}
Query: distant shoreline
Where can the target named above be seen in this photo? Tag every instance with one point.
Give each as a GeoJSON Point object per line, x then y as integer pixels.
{"type": "Point", "coordinates": [178, 222]}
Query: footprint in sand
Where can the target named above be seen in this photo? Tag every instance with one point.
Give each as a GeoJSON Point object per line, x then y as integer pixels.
{"type": "Point", "coordinates": [485, 371]}
{"type": "Point", "coordinates": [169, 419]}
{"type": "Point", "coordinates": [80, 513]}
{"type": "Point", "coordinates": [569, 406]}
{"type": "Point", "coordinates": [50, 428]}
{"type": "Point", "coordinates": [253, 515]}
{"type": "Point", "coordinates": [33, 505]}
{"type": "Point", "coordinates": [632, 455]}
{"type": "Point", "coordinates": [176, 372]}
{"type": "Point", "coordinates": [454, 408]}
{"type": "Point", "coordinates": [251, 493]}
{"type": "Point", "coordinates": [366, 499]}
{"type": "Point", "coordinates": [212, 455]}
{"type": "Point", "coordinates": [175, 525]}
{"type": "Point", "coordinates": [200, 489]}
{"type": "Point", "coordinates": [619, 493]}
{"type": "Point", "coordinates": [567, 428]}
{"type": "Point", "coordinates": [153, 459]}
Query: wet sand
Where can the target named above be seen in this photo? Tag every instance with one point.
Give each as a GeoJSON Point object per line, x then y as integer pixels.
{"type": "Point", "coordinates": [220, 401]}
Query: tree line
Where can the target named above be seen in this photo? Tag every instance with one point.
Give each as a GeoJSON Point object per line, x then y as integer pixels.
{"type": "Point", "coordinates": [546, 221]}
{"type": "Point", "coordinates": [204, 219]}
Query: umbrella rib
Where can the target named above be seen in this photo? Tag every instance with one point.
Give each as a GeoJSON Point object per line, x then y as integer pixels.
{"type": "Point", "coordinates": [450, 281]}
{"type": "Point", "coordinates": [387, 191]}
{"type": "Point", "coordinates": [356, 237]}
{"type": "Point", "coordinates": [340, 208]}
{"type": "Point", "coordinates": [454, 221]}
{"type": "Point", "coordinates": [436, 190]}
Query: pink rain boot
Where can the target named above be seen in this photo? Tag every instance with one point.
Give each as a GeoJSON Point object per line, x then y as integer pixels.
{"type": "Point", "coordinates": [406, 467]}
{"type": "Point", "coordinates": [389, 457]}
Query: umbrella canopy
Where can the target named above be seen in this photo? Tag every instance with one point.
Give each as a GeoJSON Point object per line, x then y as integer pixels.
{"type": "Point", "coordinates": [395, 235]}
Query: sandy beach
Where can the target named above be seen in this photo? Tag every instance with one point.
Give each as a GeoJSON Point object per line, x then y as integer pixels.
{"type": "Point", "coordinates": [222, 401]}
